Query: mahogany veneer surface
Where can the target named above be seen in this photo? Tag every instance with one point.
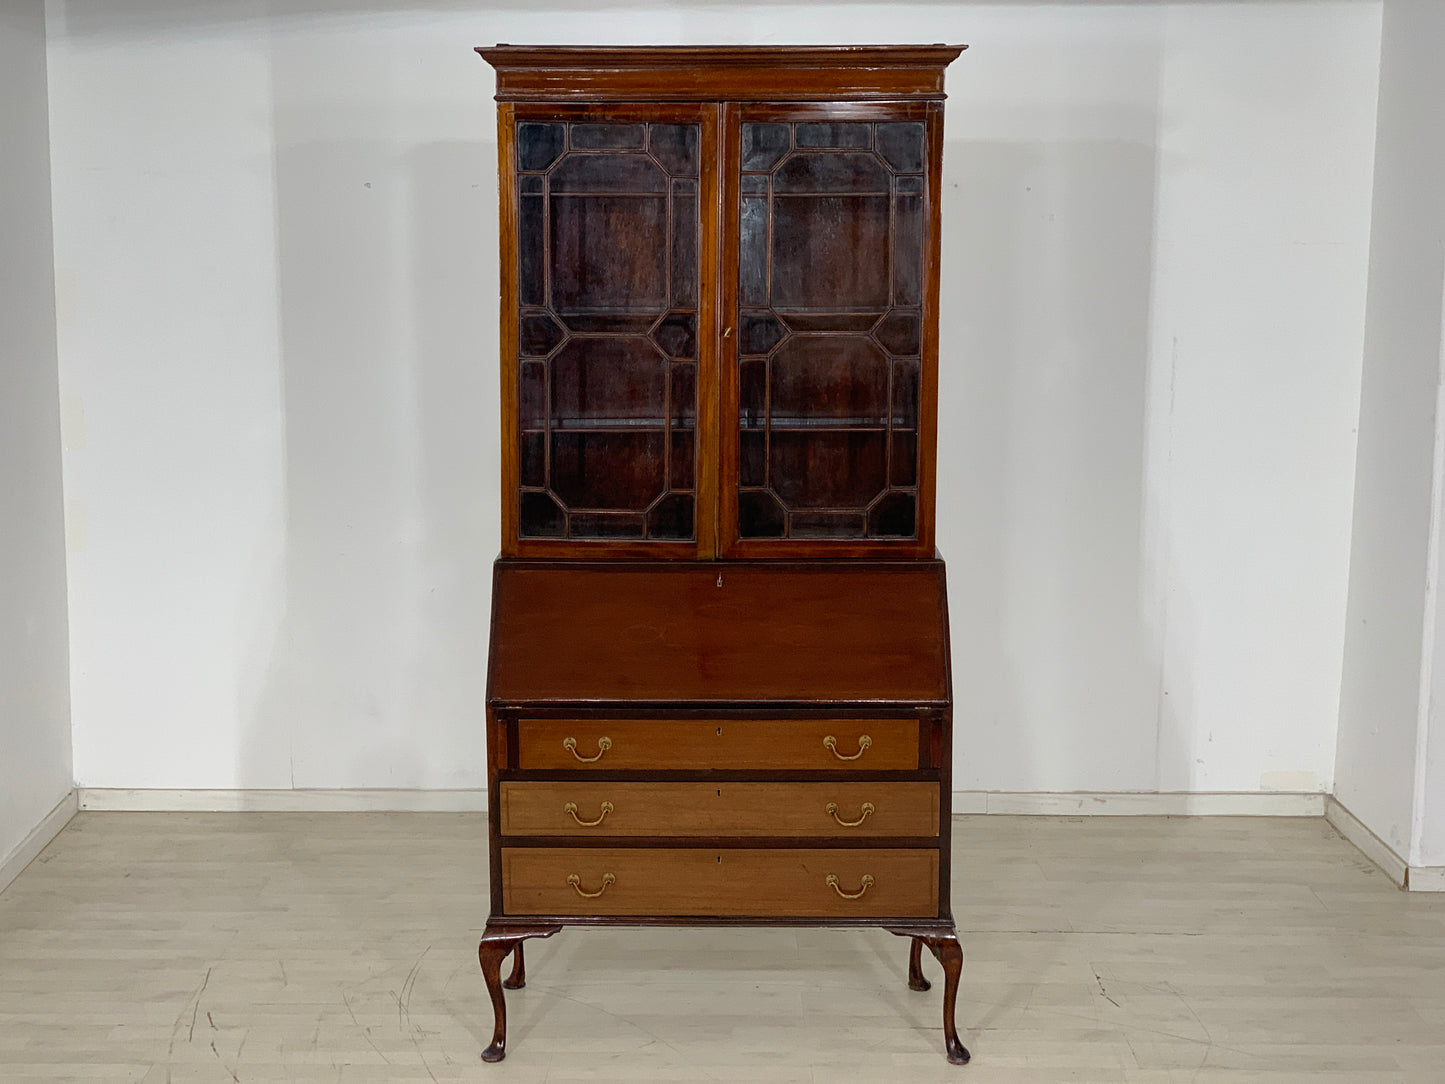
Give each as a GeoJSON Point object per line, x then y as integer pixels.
{"type": "Point", "coordinates": [662, 881]}
{"type": "Point", "coordinates": [824, 633]}
{"type": "Point", "coordinates": [719, 744]}
{"type": "Point", "coordinates": [719, 809]}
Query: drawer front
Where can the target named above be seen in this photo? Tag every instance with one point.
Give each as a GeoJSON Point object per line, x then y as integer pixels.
{"type": "Point", "coordinates": [710, 882]}
{"type": "Point", "coordinates": [807, 744]}
{"type": "Point", "coordinates": [585, 808]}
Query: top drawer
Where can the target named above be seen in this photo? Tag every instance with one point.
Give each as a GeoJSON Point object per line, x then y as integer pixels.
{"type": "Point", "coordinates": [701, 744]}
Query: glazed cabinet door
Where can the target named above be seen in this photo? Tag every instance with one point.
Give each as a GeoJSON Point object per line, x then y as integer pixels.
{"type": "Point", "coordinates": [609, 329]}
{"type": "Point", "coordinates": [830, 366]}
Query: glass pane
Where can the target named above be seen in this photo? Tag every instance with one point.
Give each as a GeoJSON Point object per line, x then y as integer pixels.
{"type": "Point", "coordinates": [760, 332]}
{"type": "Point", "coordinates": [532, 402]}
{"type": "Point", "coordinates": [831, 173]}
{"type": "Point", "coordinates": [684, 394]}
{"type": "Point", "coordinates": [826, 525]}
{"type": "Point", "coordinates": [830, 274]}
{"type": "Point", "coordinates": [608, 173]}
{"type": "Point", "coordinates": [611, 381]}
{"type": "Point", "coordinates": [753, 459]}
{"type": "Point", "coordinates": [831, 321]}
{"type": "Point", "coordinates": [540, 517]}
{"type": "Point", "coordinates": [676, 336]}
{"type": "Point", "coordinates": [607, 525]}
{"type": "Point", "coordinates": [827, 468]}
{"type": "Point", "coordinates": [895, 516]}
{"type": "Point", "coordinates": [608, 271]}
{"type": "Point", "coordinates": [764, 144]}
{"type": "Point", "coordinates": [834, 379]}
{"type": "Point", "coordinates": [671, 517]}
{"type": "Point", "coordinates": [538, 145]}
{"type": "Point", "coordinates": [847, 134]}
{"type": "Point", "coordinates": [753, 253]}
{"type": "Point", "coordinates": [830, 252]}
{"type": "Point", "coordinates": [610, 322]}
{"type": "Point", "coordinates": [607, 470]}
{"type": "Point", "coordinates": [901, 145]}
{"type": "Point", "coordinates": [683, 462]}
{"type": "Point", "coordinates": [675, 146]}
{"type": "Point", "coordinates": [905, 393]}
{"type": "Point", "coordinates": [899, 332]}
{"type": "Point", "coordinates": [531, 250]}
{"type": "Point", "coordinates": [540, 334]}
{"type": "Point", "coordinates": [903, 459]}
{"type": "Point", "coordinates": [752, 394]}
{"type": "Point", "coordinates": [605, 252]}
{"type": "Point", "coordinates": [534, 459]}
{"type": "Point", "coordinates": [608, 136]}
{"type": "Point", "coordinates": [759, 514]}
{"type": "Point", "coordinates": [908, 251]}
{"type": "Point", "coordinates": [685, 226]}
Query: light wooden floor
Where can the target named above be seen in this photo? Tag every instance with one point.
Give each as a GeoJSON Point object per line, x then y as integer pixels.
{"type": "Point", "coordinates": [341, 947]}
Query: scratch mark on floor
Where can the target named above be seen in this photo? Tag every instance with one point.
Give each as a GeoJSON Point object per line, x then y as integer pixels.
{"type": "Point", "coordinates": [1099, 979]}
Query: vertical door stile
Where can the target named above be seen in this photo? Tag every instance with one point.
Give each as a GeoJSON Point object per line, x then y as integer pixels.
{"type": "Point", "coordinates": [928, 393]}
{"type": "Point", "coordinates": [726, 433]}
{"type": "Point", "coordinates": [507, 201]}
{"type": "Point", "coordinates": [712, 318]}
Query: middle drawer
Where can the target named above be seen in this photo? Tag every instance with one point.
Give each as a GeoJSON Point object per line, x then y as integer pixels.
{"type": "Point", "coordinates": [719, 809]}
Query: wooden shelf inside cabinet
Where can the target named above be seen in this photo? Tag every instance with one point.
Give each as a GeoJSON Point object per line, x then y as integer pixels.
{"type": "Point", "coordinates": [718, 682]}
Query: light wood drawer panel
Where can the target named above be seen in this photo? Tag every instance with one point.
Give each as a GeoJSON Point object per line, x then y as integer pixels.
{"type": "Point", "coordinates": [718, 882]}
{"type": "Point", "coordinates": [719, 809]}
{"type": "Point", "coordinates": [892, 744]}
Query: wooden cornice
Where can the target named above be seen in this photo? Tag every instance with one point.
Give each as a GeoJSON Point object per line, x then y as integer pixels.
{"type": "Point", "coordinates": [528, 73]}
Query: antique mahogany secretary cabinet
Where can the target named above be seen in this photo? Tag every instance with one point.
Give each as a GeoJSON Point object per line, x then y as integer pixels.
{"type": "Point", "coordinates": [719, 686]}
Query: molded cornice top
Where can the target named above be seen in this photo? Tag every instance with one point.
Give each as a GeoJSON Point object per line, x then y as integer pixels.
{"type": "Point", "coordinates": [719, 73]}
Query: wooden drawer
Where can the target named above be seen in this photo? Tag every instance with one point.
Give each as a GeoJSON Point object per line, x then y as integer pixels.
{"type": "Point", "coordinates": [719, 809]}
{"type": "Point", "coordinates": [612, 744]}
{"type": "Point", "coordinates": [717, 882]}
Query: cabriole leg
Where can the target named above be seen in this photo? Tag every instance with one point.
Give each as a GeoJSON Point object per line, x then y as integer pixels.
{"type": "Point", "coordinates": [950, 955]}
{"type": "Point", "coordinates": [496, 943]}
{"type": "Point", "coordinates": [944, 945]}
{"type": "Point", "coordinates": [518, 978]}
{"type": "Point", "coordinates": [916, 981]}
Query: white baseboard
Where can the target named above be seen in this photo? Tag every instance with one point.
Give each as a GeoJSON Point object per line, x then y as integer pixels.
{"type": "Point", "coordinates": [475, 801]}
{"type": "Point", "coordinates": [1426, 879]}
{"type": "Point", "coordinates": [1144, 804]}
{"type": "Point", "coordinates": [284, 801]}
{"type": "Point", "coordinates": [31, 846]}
{"type": "Point", "coordinates": [1370, 845]}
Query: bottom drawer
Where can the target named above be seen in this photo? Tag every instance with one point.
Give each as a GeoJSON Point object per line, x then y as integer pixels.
{"type": "Point", "coordinates": [698, 881]}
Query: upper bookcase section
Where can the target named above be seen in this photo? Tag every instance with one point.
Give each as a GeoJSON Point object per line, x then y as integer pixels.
{"type": "Point", "coordinates": [708, 73]}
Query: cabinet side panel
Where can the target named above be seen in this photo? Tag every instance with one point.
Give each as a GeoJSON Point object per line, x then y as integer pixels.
{"type": "Point", "coordinates": [928, 397]}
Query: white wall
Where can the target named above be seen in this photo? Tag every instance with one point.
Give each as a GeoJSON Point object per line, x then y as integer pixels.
{"type": "Point", "coordinates": [35, 768]}
{"type": "Point", "coordinates": [1394, 595]}
{"type": "Point", "coordinates": [276, 242]}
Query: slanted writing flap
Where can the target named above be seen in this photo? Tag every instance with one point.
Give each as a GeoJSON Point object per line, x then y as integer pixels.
{"type": "Point", "coordinates": [832, 633]}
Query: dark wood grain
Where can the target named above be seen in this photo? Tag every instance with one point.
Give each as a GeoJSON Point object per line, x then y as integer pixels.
{"type": "Point", "coordinates": [713, 680]}
{"type": "Point", "coordinates": [713, 73]}
{"type": "Point", "coordinates": [770, 632]}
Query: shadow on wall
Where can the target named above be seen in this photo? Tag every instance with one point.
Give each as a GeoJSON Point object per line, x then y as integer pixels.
{"type": "Point", "coordinates": [390, 468]}
{"type": "Point", "coordinates": [1049, 252]}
